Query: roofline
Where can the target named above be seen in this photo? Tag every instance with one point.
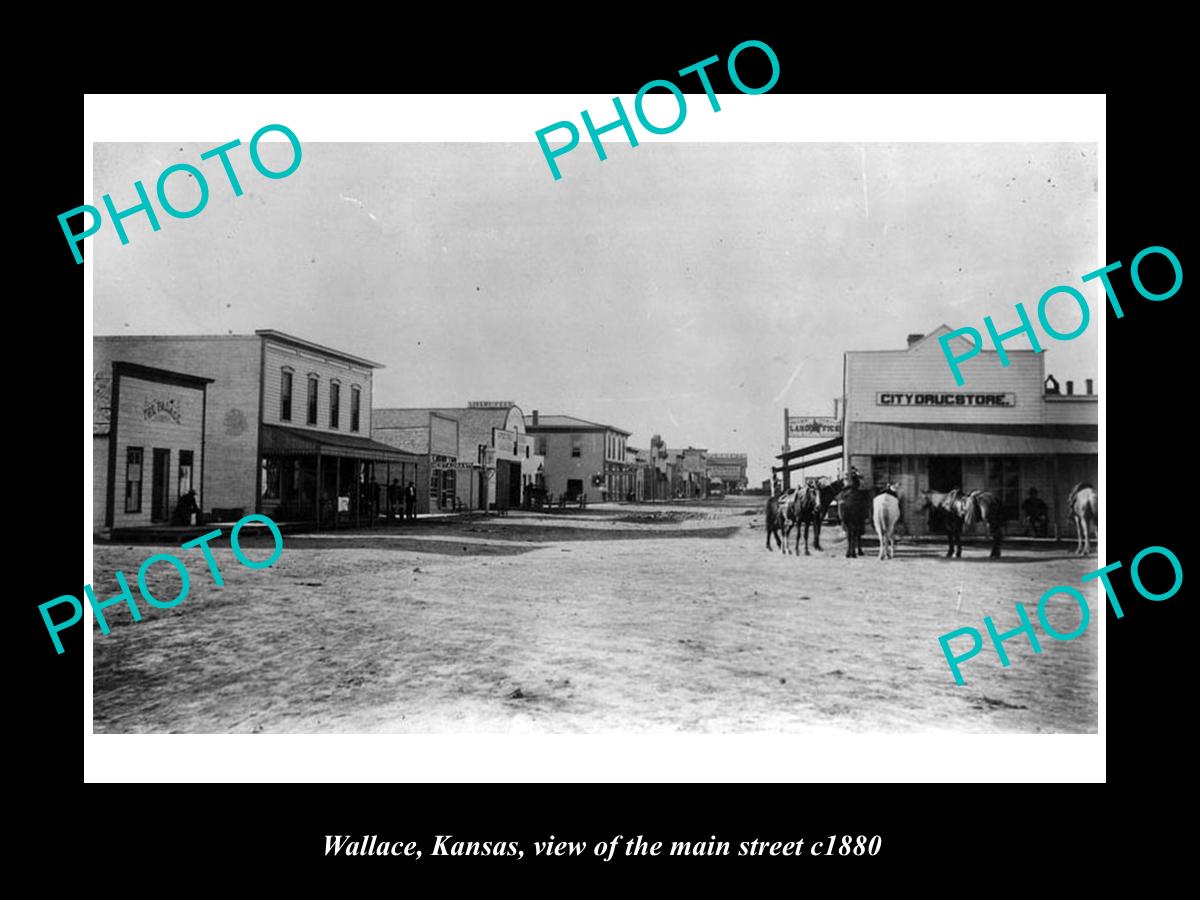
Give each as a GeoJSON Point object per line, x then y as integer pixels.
{"type": "Point", "coordinates": [540, 427]}
{"type": "Point", "coordinates": [274, 335]}
{"type": "Point", "coordinates": [907, 349]}
{"type": "Point", "coordinates": [150, 373]}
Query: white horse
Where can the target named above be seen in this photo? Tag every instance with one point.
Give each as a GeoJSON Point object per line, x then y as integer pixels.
{"type": "Point", "coordinates": [886, 511]}
{"type": "Point", "coordinates": [1084, 507]}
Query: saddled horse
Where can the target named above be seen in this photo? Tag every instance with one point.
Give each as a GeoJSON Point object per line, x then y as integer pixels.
{"type": "Point", "coordinates": [800, 508]}
{"type": "Point", "coordinates": [854, 504]}
{"type": "Point", "coordinates": [820, 496]}
{"type": "Point", "coordinates": [963, 510]}
{"type": "Point", "coordinates": [886, 513]}
{"type": "Point", "coordinates": [1084, 506]}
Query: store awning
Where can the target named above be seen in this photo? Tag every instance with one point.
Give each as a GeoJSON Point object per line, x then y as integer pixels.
{"type": "Point", "coordinates": [279, 440]}
{"type": "Point", "coordinates": [873, 439]}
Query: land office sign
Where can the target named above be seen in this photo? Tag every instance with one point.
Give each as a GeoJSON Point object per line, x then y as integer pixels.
{"type": "Point", "coordinates": [814, 426]}
{"type": "Point", "coordinates": [955, 399]}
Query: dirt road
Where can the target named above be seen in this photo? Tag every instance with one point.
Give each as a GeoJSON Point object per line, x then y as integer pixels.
{"type": "Point", "coordinates": [617, 619]}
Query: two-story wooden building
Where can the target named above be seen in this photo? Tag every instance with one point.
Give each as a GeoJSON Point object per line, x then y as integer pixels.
{"type": "Point", "coordinates": [286, 429]}
{"type": "Point", "coordinates": [582, 457]}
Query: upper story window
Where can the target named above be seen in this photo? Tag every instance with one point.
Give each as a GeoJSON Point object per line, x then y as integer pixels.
{"type": "Point", "coordinates": [355, 400]}
{"type": "Point", "coordinates": [541, 446]}
{"type": "Point", "coordinates": [577, 445]}
{"type": "Point", "coordinates": [285, 395]}
{"type": "Point", "coordinates": [335, 403]}
{"type": "Point", "coordinates": [313, 382]}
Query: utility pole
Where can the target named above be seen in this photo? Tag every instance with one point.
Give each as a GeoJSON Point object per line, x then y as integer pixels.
{"type": "Point", "coordinates": [787, 475]}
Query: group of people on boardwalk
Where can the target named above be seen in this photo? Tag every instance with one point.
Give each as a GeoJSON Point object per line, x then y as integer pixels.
{"type": "Point", "coordinates": [402, 501]}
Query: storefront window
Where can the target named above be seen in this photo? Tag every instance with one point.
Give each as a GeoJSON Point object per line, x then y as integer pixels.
{"type": "Point", "coordinates": [1003, 478]}
{"type": "Point", "coordinates": [885, 470]}
{"type": "Point", "coordinates": [133, 479]}
{"type": "Point", "coordinates": [185, 472]}
{"type": "Point", "coordinates": [270, 479]}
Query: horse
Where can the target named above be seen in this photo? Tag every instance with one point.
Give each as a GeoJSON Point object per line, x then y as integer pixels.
{"type": "Point", "coordinates": [964, 510]}
{"type": "Point", "coordinates": [1084, 507]}
{"type": "Point", "coordinates": [801, 509]}
{"type": "Point", "coordinates": [853, 506]}
{"type": "Point", "coordinates": [886, 513]}
{"type": "Point", "coordinates": [776, 521]}
{"type": "Point", "coordinates": [821, 496]}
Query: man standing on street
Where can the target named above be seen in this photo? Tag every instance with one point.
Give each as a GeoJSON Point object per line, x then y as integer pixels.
{"type": "Point", "coordinates": [410, 501]}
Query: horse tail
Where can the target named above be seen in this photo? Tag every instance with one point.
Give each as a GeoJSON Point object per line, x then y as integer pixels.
{"type": "Point", "coordinates": [972, 510]}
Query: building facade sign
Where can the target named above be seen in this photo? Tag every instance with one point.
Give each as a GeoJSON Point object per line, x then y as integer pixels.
{"type": "Point", "coordinates": [158, 408]}
{"type": "Point", "coordinates": [814, 426]}
{"type": "Point", "coordinates": [945, 399]}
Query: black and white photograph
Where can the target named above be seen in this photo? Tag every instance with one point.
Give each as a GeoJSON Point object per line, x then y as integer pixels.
{"type": "Point", "coordinates": [671, 444]}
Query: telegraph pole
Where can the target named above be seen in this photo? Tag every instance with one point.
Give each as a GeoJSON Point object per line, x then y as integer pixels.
{"type": "Point", "coordinates": [787, 475]}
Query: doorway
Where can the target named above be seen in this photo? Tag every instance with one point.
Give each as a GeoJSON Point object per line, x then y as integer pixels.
{"type": "Point", "coordinates": [159, 485]}
{"type": "Point", "coordinates": [945, 473]}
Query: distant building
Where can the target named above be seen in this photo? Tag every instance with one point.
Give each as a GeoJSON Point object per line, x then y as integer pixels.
{"type": "Point", "coordinates": [479, 455]}
{"type": "Point", "coordinates": [729, 469]}
{"type": "Point", "coordinates": [689, 472]}
{"type": "Point", "coordinates": [643, 471]}
{"type": "Point", "coordinates": [582, 456]}
{"type": "Point", "coordinates": [266, 423]}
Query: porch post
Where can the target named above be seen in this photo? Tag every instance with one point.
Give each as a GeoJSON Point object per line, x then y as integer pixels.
{"type": "Point", "coordinates": [337, 490]}
{"type": "Point", "coordinates": [317, 492]}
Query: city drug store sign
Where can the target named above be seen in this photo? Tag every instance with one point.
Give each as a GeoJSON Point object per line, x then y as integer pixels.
{"type": "Point", "coordinates": [945, 399]}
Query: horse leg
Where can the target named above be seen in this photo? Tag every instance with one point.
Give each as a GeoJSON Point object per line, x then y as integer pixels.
{"type": "Point", "coordinates": [817, 529]}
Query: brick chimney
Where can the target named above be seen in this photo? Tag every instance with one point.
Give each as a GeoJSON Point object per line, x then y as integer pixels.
{"type": "Point", "coordinates": [535, 418]}
{"type": "Point", "coordinates": [1070, 388]}
{"type": "Point", "coordinates": [1089, 386]}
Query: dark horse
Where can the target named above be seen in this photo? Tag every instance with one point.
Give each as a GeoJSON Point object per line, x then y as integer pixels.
{"type": "Point", "coordinates": [960, 511]}
{"type": "Point", "coordinates": [776, 521]}
{"type": "Point", "coordinates": [854, 505]}
{"type": "Point", "coordinates": [813, 506]}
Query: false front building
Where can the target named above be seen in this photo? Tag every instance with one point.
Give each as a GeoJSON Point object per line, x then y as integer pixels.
{"type": "Point", "coordinates": [476, 457]}
{"type": "Point", "coordinates": [1007, 430]}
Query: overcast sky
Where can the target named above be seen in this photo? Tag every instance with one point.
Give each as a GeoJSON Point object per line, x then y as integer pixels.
{"type": "Point", "coordinates": [689, 290]}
